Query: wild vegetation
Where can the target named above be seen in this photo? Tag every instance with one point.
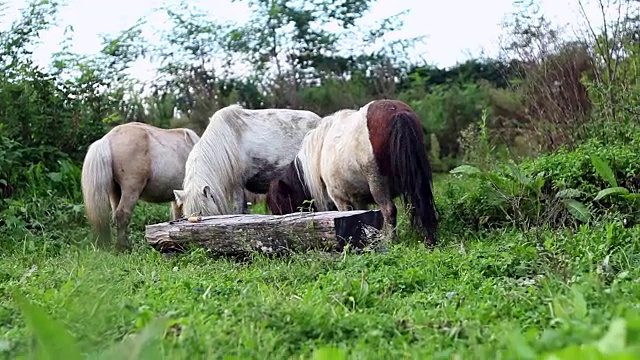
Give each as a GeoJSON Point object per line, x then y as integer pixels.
{"type": "Point", "coordinates": [537, 155]}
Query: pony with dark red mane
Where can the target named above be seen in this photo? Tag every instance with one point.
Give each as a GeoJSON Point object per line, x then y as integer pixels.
{"type": "Point", "coordinates": [355, 158]}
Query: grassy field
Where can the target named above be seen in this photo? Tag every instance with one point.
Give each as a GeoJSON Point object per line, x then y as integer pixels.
{"type": "Point", "coordinates": [499, 294]}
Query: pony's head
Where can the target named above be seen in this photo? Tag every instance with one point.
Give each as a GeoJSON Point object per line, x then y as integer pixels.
{"type": "Point", "coordinates": [286, 193]}
{"type": "Point", "coordinates": [195, 201]}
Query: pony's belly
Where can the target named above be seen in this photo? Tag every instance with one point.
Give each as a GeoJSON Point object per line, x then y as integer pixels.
{"type": "Point", "coordinates": [358, 191]}
{"type": "Point", "coordinates": [351, 183]}
{"type": "Point", "coordinates": [348, 176]}
{"type": "Point", "coordinates": [157, 195]}
{"type": "Point", "coordinates": [160, 188]}
{"type": "Point", "coordinates": [263, 170]}
{"type": "Point", "coordinates": [259, 183]}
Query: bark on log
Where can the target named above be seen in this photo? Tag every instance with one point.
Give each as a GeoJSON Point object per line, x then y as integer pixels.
{"type": "Point", "coordinates": [240, 234]}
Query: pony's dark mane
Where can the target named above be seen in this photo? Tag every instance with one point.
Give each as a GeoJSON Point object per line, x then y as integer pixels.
{"type": "Point", "coordinates": [288, 192]}
{"type": "Point", "coordinates": [299, 171]}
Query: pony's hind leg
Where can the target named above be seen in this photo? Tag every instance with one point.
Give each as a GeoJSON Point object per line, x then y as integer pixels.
{"type": "Point", "coordinates": [124, 211]}
{"type": "Point", "coordinates": [381, 193]}
{"type": "Point", "coordinates": [341, 202]}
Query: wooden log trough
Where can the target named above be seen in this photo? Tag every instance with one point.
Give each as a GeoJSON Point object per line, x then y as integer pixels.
{"type": "Point", "coordinates": [242, 234]}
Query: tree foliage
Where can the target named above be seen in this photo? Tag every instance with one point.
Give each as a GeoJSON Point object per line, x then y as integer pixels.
{"type": "Point", "coordinates": [312, 55]}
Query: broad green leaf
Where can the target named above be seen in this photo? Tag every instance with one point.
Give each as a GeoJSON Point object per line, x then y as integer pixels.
{"type": "Point", "coordinates": [329, 353]}
{"type": "Point", "coordinates": [577, 209]}
{"type": "Point", "coordinates": [559, 310]}
{"type": "Point", "coordinates": [633, 196]}
{"type": "Point", "coordinates": [520, 346]}
{"type": "Point", "coordinates": [518, 175]}
{"type": "Point", "coordinates": [614, 340]}
{"type": "Point", "coordinates": [604, 170]}
{"type": "Point", "coordinates": [494, 178]}
{"type": "Point", "coordinates": [579, 303]}
{"type": "Point", "coordinates": [506, 185]}
{"type": "Point", "coordinates": [465, 169]}
{"type": "Point", "coordinates": [611, 191]}
{"type": "Point", "coordinates": [145, 345]}
{"type": "Point", "coordinates": [538, 184]}
{"type": "Point", "coordinates": [55, 176]}
{"type": "Point", "coordinates": [568, 193]}
{"type": "Point", "coordinates": [54, 340]}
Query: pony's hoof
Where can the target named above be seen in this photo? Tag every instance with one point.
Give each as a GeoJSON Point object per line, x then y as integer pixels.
{"type": "Point", "coordinates": [430, 244]}
{"type": "Point", "coordinates": [430, 239]}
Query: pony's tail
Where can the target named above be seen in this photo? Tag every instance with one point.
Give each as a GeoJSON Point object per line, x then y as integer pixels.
{"type": "Point", "coordinates": [96, 181]}
{"type": "Point", "coordinates": [411, 174]}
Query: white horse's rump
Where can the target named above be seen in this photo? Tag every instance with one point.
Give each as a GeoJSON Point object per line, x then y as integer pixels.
{"type": "Point", "coordinates": [356, 158]}
{"type": "Point", "coordinates": [333, 155]}
{"type": "Point", "coordinates": [240, 149]}
{"type": "Point", "coordinates": [315, 151]}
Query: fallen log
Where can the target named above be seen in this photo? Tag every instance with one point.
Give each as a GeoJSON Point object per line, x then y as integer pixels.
{"type": "Point", "coordinates": [241, 234]}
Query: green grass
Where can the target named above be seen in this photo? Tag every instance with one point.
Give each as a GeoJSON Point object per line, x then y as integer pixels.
{"type": "Point", "coordinates": [500, 294]}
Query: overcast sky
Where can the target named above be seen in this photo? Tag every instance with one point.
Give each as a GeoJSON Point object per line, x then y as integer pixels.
{"type": "Point", "coordinates": [455, 30]}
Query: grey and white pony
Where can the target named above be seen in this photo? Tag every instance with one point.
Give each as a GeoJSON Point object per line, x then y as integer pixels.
{"type": "Point", "coordinates": [240, 149]}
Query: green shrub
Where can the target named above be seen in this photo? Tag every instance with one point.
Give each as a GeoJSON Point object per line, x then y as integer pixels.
{"type": "Point", "coordinates": [508, 195]}
{"type": "Point", "coordinates": [557, 189]}
{"type": "Point", "coordinates": [48, 200]}
{"type": "Point", "coordinates": [447, 110]}
{"type": "Point", "coordinates": [573, 169]}
{"type": "Point", "coordinates": [466, 203]}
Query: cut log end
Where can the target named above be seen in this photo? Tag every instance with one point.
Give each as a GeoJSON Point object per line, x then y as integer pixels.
{"type": "Point", "coordinates": [242, 234]}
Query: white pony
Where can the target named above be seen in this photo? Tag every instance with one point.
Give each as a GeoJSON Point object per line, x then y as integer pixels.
{"type": "Point", "coordinates": [132, 161]}
{"type": "Point", "coordinates": [358, 157]}
{"type": "Point", "coordinates": [239, 149]}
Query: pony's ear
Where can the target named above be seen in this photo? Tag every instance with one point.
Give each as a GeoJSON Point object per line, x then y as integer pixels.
{"type": "Point", "coordinates": [178, 194]}
{"type": "Point", "coordinates": [206, 190]}
{"type": "Point", "coordinates": [283, 187]}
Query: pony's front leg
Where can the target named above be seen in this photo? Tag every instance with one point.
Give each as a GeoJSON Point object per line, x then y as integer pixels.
{"type": "Point", "coordinates": [360, 205]}
{"type": "Point", "coordinates": [240, 201]}
{"type": "Point", "coordinates": [340, 202]}
{"type": "Point", "coordinates": [176, 211]}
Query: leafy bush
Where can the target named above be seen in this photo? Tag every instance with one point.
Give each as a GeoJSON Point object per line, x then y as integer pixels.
{"type": "Point", "coordinates": [47, 203]}
{"type": "Point", "coordinates": [573, 168]}
{"type": "Point", "coordinates": [511, 196]}
{"type": "Point", "coordinates": [468, 202]}
{"type": "Point", "coordinates": [447, 110]}
{"type": "Point", "coordinates": [591, 168]}
{"type": "Point", "coordinates": [594, 179]}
